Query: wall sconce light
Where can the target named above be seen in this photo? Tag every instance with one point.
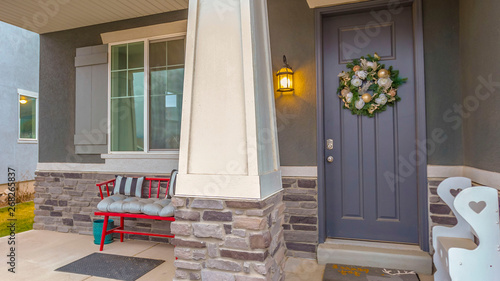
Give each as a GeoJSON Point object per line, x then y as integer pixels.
{"type": "Point", "coordinates": [285, 77]}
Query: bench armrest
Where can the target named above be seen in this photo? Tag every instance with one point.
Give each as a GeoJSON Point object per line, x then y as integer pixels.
{"type": "Point", "coordinates": [107, 184]}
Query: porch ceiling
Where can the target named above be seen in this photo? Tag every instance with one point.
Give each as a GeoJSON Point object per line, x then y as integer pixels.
{"type": "Point", "coordinates": [56, 15]}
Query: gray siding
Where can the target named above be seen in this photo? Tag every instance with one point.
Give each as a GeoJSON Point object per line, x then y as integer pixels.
{"type": "Point", "coordinates": [19, 56]}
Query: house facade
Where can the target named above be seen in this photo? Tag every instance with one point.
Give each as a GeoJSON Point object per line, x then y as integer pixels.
{"type": "Point", "coordinates": [19, 52]}
{"type": "Point", "coordinates": [146, 88]}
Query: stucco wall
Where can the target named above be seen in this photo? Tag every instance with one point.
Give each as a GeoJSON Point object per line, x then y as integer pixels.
{"type": "Point", "coordinates": [450, 75]}
{"type": "Point", "coordinates": [292, 34]}
{"type": "Point", "coordinates": [291, 25]}
{"type": "Point", "coordinates": [480, 82]}
{"type": "Point", "coordinates": [19, 53]}
{"type": "Point", "coordinates": [462, 81]}
{"type": "Point", "coordinates": [442, 77]}
{"type": "Point", "coordinates": [57, 84]}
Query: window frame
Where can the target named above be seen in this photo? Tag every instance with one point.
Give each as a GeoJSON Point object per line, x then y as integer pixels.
{"type": "Point", "coordinates": [167, 152]}
{"type": "Point", "coordinates": [21, 92]}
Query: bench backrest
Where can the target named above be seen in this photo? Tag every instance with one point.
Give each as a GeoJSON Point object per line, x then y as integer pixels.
{"type": "Point", "coordinates": [154, 186]}
{"type": "Point", "coordinates": [446, 191]}
{"type": "Point", "coordinates": [479, 207]}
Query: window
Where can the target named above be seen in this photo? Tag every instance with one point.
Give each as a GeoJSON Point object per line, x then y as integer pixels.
{"type": "Point", "coordinates": [28, 116]}
{"type": "Point", "coordinates": [147, 80]}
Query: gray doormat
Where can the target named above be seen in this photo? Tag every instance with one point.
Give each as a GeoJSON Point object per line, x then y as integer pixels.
{"type": "Point", "coordinates": [112, 266]}
{"type": "Point", "coordinates": [342, 272]}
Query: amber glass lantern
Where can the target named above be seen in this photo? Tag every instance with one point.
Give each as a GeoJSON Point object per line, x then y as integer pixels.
{"type": "Point", "coordinates": [285, 77]}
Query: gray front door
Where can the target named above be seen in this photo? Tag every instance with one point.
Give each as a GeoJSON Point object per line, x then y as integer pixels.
{"type": "Point", "coordinates": [371, 191]}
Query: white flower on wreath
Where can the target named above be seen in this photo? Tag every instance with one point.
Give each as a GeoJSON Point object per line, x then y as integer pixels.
{"type": "Point", "coordinates": [367, 64]}
{"type": "Point", "coordinates": [372, 64]}
{"type": "Point", "coordinates": [361, 74]}
{"type": "Point", "coordinates": [384, 82]}
{"type": "Point", "coordinates": [348, 97]}
{"type": "Point", "coordinates": [382, 99]}
{"type": "Point", "coordinates": [359, 104]}
{"type": "Point", "coordinates": [356, 82]}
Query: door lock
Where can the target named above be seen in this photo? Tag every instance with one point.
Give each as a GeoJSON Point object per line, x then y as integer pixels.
{"type": "Point", "coordinates": [329, 159]}
{"type": "Point", "coordinates": [329, 144]}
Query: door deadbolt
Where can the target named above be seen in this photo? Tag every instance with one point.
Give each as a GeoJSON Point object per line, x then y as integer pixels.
{"type": "Point", "coordinates": [329, 144]}
{"type": "Point", "coordinates": [329, 159]}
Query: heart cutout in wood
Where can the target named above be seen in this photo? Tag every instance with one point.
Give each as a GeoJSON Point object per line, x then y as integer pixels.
{"type": "Point", "coordinates": [477, 207]}
{"type": "Point", "coordinates": [455, 192]}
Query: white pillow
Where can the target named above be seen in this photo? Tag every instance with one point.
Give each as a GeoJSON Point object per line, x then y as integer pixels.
{"type": "Point", "coordinates": [172, 184]}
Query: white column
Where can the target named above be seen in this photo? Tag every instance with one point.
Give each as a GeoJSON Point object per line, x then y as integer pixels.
{"type": "Point", "coordinates": [229, 145]}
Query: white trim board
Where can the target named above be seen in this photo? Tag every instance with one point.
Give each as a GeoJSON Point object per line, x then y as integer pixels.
{"type": "Point", "coordinates": [299, 171]}
{"type": "Point", "coordinates": [324, 3]}
{"type": "Point", "coordinates": [151, 31]}
{"type": "Point", "coordinates": [118, 166]}
{"type": "Point", "coordinates": [483, 177]}
{"type": "Point", "coordinates": [128, 167]}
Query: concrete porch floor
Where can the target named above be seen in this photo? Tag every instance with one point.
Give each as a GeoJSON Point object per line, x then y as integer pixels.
{"type": "Point", "coordinates": [40, 252]}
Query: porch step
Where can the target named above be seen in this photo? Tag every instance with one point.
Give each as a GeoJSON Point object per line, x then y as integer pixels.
{"type": "Point", "coordinates": [375, 254]}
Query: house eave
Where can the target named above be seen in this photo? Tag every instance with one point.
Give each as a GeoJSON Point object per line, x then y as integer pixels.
{"type": "Point", "coordinates": [57, 15]}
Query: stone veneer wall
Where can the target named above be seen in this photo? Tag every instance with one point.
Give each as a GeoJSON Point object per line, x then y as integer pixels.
{"type": "Point", "coordinates": [439, 212]}
{"type": "Point", "coordinates": [232, 240]}
{"type": "Point", "coordinates": [301, 216]}
{"type": "Point", "coordinates": [66, 202]}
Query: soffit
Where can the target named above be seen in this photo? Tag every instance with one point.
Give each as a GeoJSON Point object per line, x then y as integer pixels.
{"type": "Point", "coordinates": [56, 15]}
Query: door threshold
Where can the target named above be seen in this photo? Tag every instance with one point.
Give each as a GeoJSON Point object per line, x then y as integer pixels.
{"type": "Point", "coordinates": [375, 254]}
{"type": "Point", "coordinates": [375, 244]}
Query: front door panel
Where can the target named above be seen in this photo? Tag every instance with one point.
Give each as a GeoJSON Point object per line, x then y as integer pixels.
{"type": "Point", "coordinates": [365, 199]}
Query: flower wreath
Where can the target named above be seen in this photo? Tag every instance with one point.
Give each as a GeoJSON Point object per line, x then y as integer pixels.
{"type": "Point", "coordinates": [367, 75]}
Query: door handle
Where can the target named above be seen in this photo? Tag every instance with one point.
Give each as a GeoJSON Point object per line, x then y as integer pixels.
{"type": "Point", "coordinates": [329, 159]}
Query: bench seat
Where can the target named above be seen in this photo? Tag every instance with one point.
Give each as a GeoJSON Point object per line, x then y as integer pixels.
{"type": "Point", "coordinates": [126, 204]}
{"type": "Point", "coordinates": [446, 243]}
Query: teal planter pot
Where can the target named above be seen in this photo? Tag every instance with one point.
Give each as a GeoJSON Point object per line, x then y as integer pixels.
{"type": "Point", "coordinates": [97, 227]}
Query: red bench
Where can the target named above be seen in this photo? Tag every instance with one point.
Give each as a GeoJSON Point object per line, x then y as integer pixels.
{"type": "Point", "coordinates": [120, 229]}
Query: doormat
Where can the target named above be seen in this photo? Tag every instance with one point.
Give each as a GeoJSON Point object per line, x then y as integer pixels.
{"type": "Point", "coordinates": [342, 272]}
{"type": "Point", "coordinates": [112, 266]}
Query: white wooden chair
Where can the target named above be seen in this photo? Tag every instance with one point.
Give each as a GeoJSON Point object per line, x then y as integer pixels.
{"type": "Point", "coordinates": [479, 207]}
{"type": "Point", "coordinates": [456, 255]}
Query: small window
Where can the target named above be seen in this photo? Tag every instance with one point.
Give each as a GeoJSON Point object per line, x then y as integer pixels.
{"type": "Point", "coordinates": [28, 116]}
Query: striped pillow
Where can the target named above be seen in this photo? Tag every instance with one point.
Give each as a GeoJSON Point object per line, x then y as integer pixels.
{"type": "Point", "coordinates": [128, 186]}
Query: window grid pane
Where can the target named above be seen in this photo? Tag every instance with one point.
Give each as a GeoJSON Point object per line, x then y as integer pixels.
{"type": "Point", "coordinates": [127, 97]}
{"type": "Point", "coordinates": [165, 93]}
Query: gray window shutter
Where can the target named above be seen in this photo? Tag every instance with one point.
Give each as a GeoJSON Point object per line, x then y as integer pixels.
{"type": "Point", "coordinates": [91, 115]}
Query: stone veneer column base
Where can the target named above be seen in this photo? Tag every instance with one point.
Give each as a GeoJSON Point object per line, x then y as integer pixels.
{"type": "Point", "coordinates": [238, 240]}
